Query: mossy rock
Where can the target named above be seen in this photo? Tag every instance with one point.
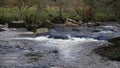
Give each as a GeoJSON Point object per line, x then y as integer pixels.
{"type": "Point", "coordinates": [114, 40]}
{"type": "Point", "coordinates": [111, 51]}
{"type": "Point", "coordinates": [41, 30]}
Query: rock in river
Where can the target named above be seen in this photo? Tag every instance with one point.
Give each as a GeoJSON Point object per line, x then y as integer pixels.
{"type": "Point", "coordinates": [114, 40]}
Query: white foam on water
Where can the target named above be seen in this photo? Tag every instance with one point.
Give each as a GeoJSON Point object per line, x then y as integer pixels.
{"type": "Point", "coordinates": [108, 26]}
{"type": "Point", "coordinates": [42, 38]}
{"type": "Point", "coordinates": [106, 31]}
{"type": "Point", "coordinates": [67, 48]}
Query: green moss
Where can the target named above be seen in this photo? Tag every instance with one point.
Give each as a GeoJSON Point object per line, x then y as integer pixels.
{"type": "Point", "coordinates": [41, 30]}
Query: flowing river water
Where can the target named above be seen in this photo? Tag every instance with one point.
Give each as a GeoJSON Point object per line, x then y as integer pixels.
{"type": "Point", "coordinates": [21, 49]}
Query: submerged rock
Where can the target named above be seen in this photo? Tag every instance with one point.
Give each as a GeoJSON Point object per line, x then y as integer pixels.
{"type": "Point", "coordinates": [58, 36]}
{"type": "Point", "coordinates": [101, 37]}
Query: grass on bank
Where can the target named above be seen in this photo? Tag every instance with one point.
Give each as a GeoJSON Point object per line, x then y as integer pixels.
{"type": "Point", "coordinates": [10, 13]}
{"type": "Point", "coordinates": [41, 19]}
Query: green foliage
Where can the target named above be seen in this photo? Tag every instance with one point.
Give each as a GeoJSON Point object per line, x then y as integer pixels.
{"type": "Point", "coordinates": [7, 15]}
{"type": "Point", "coordinates": [10, 14]}
{"type": "Point", "coordinates": [37, 13]}
{"type": "Point", "coordinates": [111, 9]}
{"type": "Point", "coordinates": [103, 15]}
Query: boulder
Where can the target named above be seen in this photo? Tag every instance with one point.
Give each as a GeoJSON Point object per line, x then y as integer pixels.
{"type": "Point", "coordinates": [41, 30]}
{"type": "Point", "coordinates": [114, 40]}
{"type": "Point", "coordinates": [110, 51]}
{"type": "Point", "coordinates": [58, 36]}
{"type": "Point", "coordinates": [101, 37]}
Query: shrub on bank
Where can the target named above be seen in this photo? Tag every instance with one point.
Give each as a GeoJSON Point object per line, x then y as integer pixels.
{"type": "Point", "coordinates": [31, 17]}
{"type": "Point", "coordinates": [101, 16]}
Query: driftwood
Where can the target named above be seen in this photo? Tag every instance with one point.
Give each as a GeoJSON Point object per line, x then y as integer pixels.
{"type": "Point", "coordinates": [72, 23]}
{"type": "Point", "coordinates": [68, 22]}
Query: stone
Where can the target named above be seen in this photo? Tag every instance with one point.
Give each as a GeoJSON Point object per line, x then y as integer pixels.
{"type": "Point", "coordinates": [41, 30]}
{"type": "Point", "coordinates": [58, 36]}
{"type": "Point", "coordinates": [54, 51]}
{"type": "Point", "coordinates": [114, 40]}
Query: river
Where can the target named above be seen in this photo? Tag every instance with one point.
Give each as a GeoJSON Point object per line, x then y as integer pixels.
{"type": "Point", "coordinates": [58, 48]}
